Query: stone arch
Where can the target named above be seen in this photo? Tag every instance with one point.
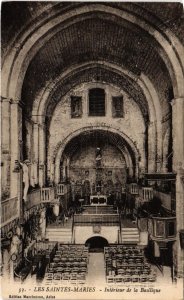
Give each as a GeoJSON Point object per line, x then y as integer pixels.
{"type": "Point", "coordinates": [17, 61]}
{"type": "Point", "coordinates": [39, 109]}
{"type": "Point", "coordinates": [96, 241]}
{"type": "Point", "coordinates": [40, 104]}
{"type": "Point", "coordinates": [61, 146]}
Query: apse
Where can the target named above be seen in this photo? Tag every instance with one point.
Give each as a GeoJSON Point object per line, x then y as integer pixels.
{"type": "Point", "coordinates": [80, 158]}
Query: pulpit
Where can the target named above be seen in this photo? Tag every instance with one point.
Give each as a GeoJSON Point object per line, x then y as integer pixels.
{"type": "Point", "coordinates": [163, 228]}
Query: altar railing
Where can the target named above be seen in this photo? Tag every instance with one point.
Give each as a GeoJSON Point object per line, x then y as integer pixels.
{"type": "Point", "coordinates": [91, 219]}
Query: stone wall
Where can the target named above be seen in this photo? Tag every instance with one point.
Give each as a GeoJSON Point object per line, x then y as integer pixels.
{"type": "Point", "coordinates": [113, 164]}
{"type": "Point", "coordinates": [83, 233]}
{"type": "Point", "coordinates": [62, 125]}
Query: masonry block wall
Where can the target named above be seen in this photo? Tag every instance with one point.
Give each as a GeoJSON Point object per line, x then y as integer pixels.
{"type": "Point", "coordinates": [83, 233]}
{"type": "Point", "coordinates": [113, 164]}
{"type": "Point", "coordinates": [62, 125]}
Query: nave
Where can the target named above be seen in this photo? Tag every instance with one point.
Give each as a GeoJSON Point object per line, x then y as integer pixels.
{"type": "Point", "coordinates": [105, 243]}
{"type": "Point", "coordinates": [92, 156]}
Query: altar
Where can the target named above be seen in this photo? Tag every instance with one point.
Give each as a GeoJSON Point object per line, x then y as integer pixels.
{"type": "Point", "coordinates": [98, 200]}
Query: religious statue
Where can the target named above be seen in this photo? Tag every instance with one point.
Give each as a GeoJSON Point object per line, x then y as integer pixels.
{"type": "Point", "coordinates": [76, 106]}
{"type": "Point", "coordinates": [26, 179]}
{"type": "Point", "coordinates": [98, 157]}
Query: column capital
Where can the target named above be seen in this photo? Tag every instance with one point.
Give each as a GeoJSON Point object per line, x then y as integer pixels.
{"type": "Point", "coordinates": [151, 123]}
{"type": "Point", "coordinates": [41, 125]}
{"type": "Point", "coordinates": [173, 101]}
{"type": "Point", "coordinates": [5, 99]}
{"type": "Point", "coordinates": [17, 102]}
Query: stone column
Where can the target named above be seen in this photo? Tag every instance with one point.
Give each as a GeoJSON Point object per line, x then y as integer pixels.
{"type": "Point", "coordinates": [52, 171]}
{"type": "Point", "coordinates": [178, 167]}
{"type": "Point", "coordinates": [35, 151]}
{"type": "Point", "coordinates": [152, 147]}
{"type": "Point", "coordinates": [164, 166]}
{"type": "Point", "coordinates": [178, 133]}
{"type": "Point", "coordinates": [68, 167]}
{"type": "Point", "coordinates": [137, 170]}
{"type": "Point", "coordinates": [179, 220]}
{"type": "Point", "coordinates": [158, 163]}
{"type": "Point", "coordinates": [85, 103]}
{"type": "Point", "coordinates": [108, 103]}
{"type": "Point", "coordinates": [42, 152]}
{"type": "Point", "coordinates": [5, 143]}
{"type": "Point", "coordinates": [166, 154]}
{"type": "Point", "coordinates": [16, 145]}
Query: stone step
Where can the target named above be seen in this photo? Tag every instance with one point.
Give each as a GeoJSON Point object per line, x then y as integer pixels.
{"type": "Point", "coordinates": [59, 238]}
{"type": "Point", "coordinates": [130, 235]}
{"type": "Point", "coordinates": [58, 229]}
{"type": "Point", "coordinates": [59, 232]}
{"type": "Point", "coordinates": [127, 242]}
{"type": "Point", "coordinates": [58, 235]}
{"type": "Point", "coordinates": [130, 238]}
{"type": "Point", "coordinates": [130, 232]}
{"type": "Point", "coordinates": [129, 229]}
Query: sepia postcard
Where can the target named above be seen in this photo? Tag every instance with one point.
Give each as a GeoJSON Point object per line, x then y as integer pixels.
{"type": "Point", "coordinates": [92, 150]}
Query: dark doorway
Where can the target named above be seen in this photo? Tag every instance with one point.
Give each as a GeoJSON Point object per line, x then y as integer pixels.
{"type": "Point", "coordinates": [96, 244]}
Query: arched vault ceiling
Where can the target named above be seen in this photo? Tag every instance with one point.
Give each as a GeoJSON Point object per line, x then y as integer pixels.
{"type": "Point", "coordinates": [100, 74]}
{"type": "Point", "coordinates": [163, 14]}
{"type": "Point", "coordinates": [97, 38]}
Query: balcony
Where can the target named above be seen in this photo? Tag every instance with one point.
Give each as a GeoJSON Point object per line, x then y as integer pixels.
{"type": "Point", "coordinates": [33, 198]}
{"type": "Point", "coordinates": [10, 210]}
{"type": "Point", "coordinates": [47, 194]}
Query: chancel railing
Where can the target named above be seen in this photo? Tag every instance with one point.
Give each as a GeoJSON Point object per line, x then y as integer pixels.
{"type": "Point", "coordinates": [9, 210]}
{"type": "Point", "coordinates": [87, 209]}
{"type": "Point", "coordinates": [91, 219]}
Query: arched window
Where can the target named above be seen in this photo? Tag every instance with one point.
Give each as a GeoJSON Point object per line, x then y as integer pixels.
{"type": "Point", "coordinates": [96, 102]}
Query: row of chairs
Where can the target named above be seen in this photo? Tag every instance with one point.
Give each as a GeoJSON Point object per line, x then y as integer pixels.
{"type": "Point", "coordinates": [131, 272]}
{"type": "Point", "coordinates": [65, 278]}
{"type": "Point", "coordinates": [119, 279]}
{"type": "Point", "coordinates": [124, 250]}
{"type": "Point", "coordinates": [129, 268]}
{"type": "Point", "coordinates": [125, 259]}
{"type": "Point", "coordinates": [69, 265]}
{"type": "Point", "coordinates": [72, 247]}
